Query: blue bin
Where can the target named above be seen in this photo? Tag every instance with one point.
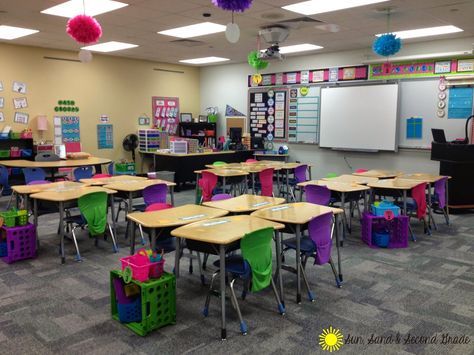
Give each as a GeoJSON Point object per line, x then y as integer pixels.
{"type": "Point", "coordinates": [379, 210]}
{"type": "Point", "coordinates": [130, 312]}
{"type": "Point", "coordinates": [26, 153]}
{"type": "Point", "coordinates": [3, 249]}
{"type": "Point", "coordinates": [381, 239]}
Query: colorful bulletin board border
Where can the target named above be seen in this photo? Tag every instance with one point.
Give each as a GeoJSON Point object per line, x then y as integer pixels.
{"type": "Point", "coordinates": [312, 76]}
{"type": "Point", "coordinates": [420, 68]}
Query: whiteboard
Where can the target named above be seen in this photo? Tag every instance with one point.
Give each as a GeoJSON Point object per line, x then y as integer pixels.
{"type": "Point", "coordinates": [419, 98]}
{"type": "Point", "coordinates": [359, 117]}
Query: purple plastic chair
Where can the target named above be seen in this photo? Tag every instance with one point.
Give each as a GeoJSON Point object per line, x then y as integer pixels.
{"type": "Point", "coordinates": [439, 198]}
{"type": "Point", "coordinates": [300, 173]}
{"type": "Point", "coordinates": [319, 195]}
{"type": "Point", "coordinates": [155, 194]}
{"type": "Point", "coordinates": [317, 246]}
{"type": "Point", "coordinates": [32, 174]}
{"type": "Point", "coordinates": [39, 182]}
{"type": "Point", "coordinates": [220, 197]}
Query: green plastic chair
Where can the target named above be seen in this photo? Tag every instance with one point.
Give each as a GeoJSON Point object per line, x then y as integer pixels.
{"type": "Point", "coordinates": [331, 175]}
{"type": "Point", "coordinates": [93, 208]}
{"type": "Point", "coordinates": [253, 266]}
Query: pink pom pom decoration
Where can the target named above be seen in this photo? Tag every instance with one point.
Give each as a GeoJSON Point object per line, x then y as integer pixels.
{"type": "Point", "coordinates": [84, 29]}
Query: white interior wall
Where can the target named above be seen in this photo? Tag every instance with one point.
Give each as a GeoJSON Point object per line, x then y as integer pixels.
{"type": "Point", "coordinates": [227, 84]}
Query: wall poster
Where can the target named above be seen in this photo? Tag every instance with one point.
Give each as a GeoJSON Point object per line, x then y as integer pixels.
{"type": "Point", "coordinates": [165, 113]}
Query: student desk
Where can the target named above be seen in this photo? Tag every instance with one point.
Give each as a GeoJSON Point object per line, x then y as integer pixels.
{"type": "Point", "coordinates": [113, 179]}
{"type": "Point", "coordinates": [55, 165]}
{"type": "Point", "coordinates": [352, 179]}
{"type": "Point", "coordinates": [380, 174]}
{"type": "Point", "coordinates": [291, 166]}
{"type": "Point", "coordinates": [297, 215]}
{"type": "Point", "coordinates": [171, 217]}
{"type": "Point", "coordinates": [223, 173]}
{"type": "Point", "coordinates": [276, 157]}
{"type": "Point", "coordinates": [401, 185]}
{"type": "Point", "coordinates": [245, 203]}
{"type": "Point", "coordinates": [61, 195]}
{"type": "Point", "coordinates": [222, 232]}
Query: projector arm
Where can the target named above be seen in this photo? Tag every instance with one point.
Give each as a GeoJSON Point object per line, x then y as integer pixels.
{"type": "Point", "coordinates": [466, 139]}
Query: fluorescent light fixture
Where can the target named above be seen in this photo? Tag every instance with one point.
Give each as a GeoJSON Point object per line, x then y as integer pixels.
{"type": "Point", "coordinates": [299, 48]}
{"type": "Point", "coordinates": [205, 60]}
{"type": "Point", "coordinates": [111, 46]}
{"type": "Point", "coordinates": [313, 7]}
{"type": "Point", "coordinates": [9, 32]}
{"type": "Point", "coordinates": [199, 29]}
{"type": "Point", "coordinates": [425, 32]}
{"type": "Point", "coordinates": [423, 56]}
{"type": "Point", "coordinates": [76, 7]}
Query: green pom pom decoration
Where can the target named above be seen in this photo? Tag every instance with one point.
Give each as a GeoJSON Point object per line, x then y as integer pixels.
{"type": "Point", "coordinates": [255, 62]}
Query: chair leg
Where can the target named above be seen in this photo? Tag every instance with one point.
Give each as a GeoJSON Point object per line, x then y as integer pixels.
{"type": "Point", "coordinates": [432, 219]}
{"type": "Point", "coordinates": [10, 199]}
{"type": "Point", "coordinates": [243, 325]}
{"type": "Point", "coordinates": [203, 279]}
{"type": "Point", "coordinates": [413, 238]}
{"type": "Point", "coordinates": [305, 279]}
{"type": "Point", "coordinates": [141, 234]}
{"type": "Point", "coordinates": [78, 255]}
{"type": "Point", "coordinates": [281, 307]}
{"type": "Point", "coordinates": [446, 216]}
{"type": "Point", "coordinates": [204, 261]}
{"type": "Point", "coordinates": [205, 311]}
{"type": "Point", "coordinates": [114, 247]}
{"type": "Point", "coordinates": [338, 282]}
{"type": "Point", "coordinates": [190, 261]}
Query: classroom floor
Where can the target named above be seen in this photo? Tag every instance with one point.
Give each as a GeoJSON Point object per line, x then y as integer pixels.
{"type": "Point", "coordinates": [425, 290]}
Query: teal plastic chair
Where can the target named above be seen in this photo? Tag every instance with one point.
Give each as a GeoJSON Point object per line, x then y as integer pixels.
{"type": "Point", "coordinates": [254, 267]}
{"type": "Point", "coordinates": [93, 208]}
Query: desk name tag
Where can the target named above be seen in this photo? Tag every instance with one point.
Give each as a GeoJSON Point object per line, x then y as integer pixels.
{"type": "Point", "coordinates": [208, 224]}
{"type": "Point", "coordinates": [280, 208]}
{"type": "Point", "coordinates": [261, 204]}
{"type": "Point", "coordinates": [192, 217]}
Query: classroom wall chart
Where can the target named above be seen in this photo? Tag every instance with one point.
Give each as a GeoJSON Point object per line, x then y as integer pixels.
{"type": "Point", "coordinates": [70, 129]}
{"type": "Point", "coordinates": [165, 113]}
{"type": "Point", "coordinates": [303, 114]}
{"type": "Point", "coordinates": [460, 102]}
{"type": "Point", "coordinates": [267, 114]}
{"type": "Point", "coordinates": [105, 136]}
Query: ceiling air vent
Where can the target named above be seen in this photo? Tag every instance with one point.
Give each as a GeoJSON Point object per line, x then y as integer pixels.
{"type": "Point", "coordinates": [300, 22]}
{"type": "Point", "coordinates": [188, 43]}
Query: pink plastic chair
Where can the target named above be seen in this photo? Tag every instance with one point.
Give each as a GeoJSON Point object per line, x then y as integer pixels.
{"type": "Point", "coordinates": [157, 207]}
{"type": "Point", "coordinates": [207, 183]}
{"type": "Point", "coordinates": [250, 160]}
{"type": "Point", "coordinates": [101, 176]}
{"type": "Point", "coordinates": [266, 182]}
{"type": "Point", "coordinates": [358, 171]}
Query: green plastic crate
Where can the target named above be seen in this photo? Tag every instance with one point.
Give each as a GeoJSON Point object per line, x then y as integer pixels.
{"type": "Point", "coordinates": [125, 167]}
{"type": "Point", "coordinates": [22, 218]}
{"type": "Point", "coordinates": [158, 303]}
{"type": "Point", "coordinates": [9, 218]}
{"type": "Point", "coordinates": [5, 153]}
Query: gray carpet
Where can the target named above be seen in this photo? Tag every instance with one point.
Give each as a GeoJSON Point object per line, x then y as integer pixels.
{"type": "Point", "coordinates": [426, 290]}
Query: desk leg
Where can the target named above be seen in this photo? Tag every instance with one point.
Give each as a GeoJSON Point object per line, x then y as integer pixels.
{"type": "Point", "coordinates": [344, 217]}
{"type": "Point", "coordinates": [405, 202]}
{"type": "Point", "coordinates": [25, 202]}
{"type": "Point", "coordinates": [153, 239]}
{"type": "Point", "coordinates": [287, 186]}
{"type": "Point", "coordinates": [309, 171]}
{"type": "Point", "coordinates": [278, 257]}
{"type": "Point", "coordinates": [222, 287]}
{"type": "Point", "coordinates": [35, 220]}
{"type": "Point", "coordinates": [253, 183]}
{"type": "Point", "coordinates": [298, 262]}
{"type": "Point", "coordinates": [172, 195]}
{"type": "Point", "coordinates": [132, 237]}
{"type": "Point", "coordinates": [366, 204]}
{"type": "Point", "coordinates": [112, 213]}
{"type": "Point", "coordinates": [223, 184]}
{"type": "Point", "coordinates": [301, 193]}
{"type": "Point", "coordinates": [338, 243]}
{"type": "Point", "coordinates": [447, 204]}
{"type": "Point", "coordinates": [61, 230]}
{"type": "Point", "coordinates": [430, 210]}
{"type": "Point", "coordinates": [176, 257]}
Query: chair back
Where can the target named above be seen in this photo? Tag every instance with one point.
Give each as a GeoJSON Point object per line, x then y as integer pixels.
{"type": "Point", "coordinates": [219, 163]}
{"type": "Point", "coordinates": [250, 160]}
{"type": "Point", "coordinates": [319, 195]}
{"type": "Point", "coordinates": [300, 173]}
{"type": "Point", "coordinates": [359, 171]}
{"type": "Point", "coordinates": [39, 182]}
{"type": "Point", "coordinates": [440, 191]}
{"type": "Point", "coordinates": [418, 193]}
{"type": "Point", "coordinates": [47, 157]}
{"type": "Point", "coordinates": [4, 176]}
{"type": "Point", "coordinates": [266, 181]}
{"type": "Point", "coordinates": [110, 168]}
{"type": "Point", "coordinates": [220, 197]}
{"type": "Point", "coordinates": [207, 183]}
{"type": "Point", "coordinates": [319, 229]}
{"type": "Point", "coordinates": [101, 176]}
{"type": "Point", "coordinates": [93, 207]}
{"type": "Point", "coordinates": [83, 172]}
{"type": "Point", "coordinates": [157, 207]}
{"type": "Point", "coordinates": [257, 252]}
{"type": "Point", "coordinates": [155, 194]}
{"type": "Point", "coordinates": [32, 174]}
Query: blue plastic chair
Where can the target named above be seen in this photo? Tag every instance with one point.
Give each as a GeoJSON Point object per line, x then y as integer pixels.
{"type": "Point", "coordinates": [83, 172]}
{"type": "Point", "coordinates": [33, 174]}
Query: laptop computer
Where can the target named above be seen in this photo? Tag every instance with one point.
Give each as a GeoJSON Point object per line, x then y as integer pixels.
{"type": "Point", "coordinates": [438, 135]}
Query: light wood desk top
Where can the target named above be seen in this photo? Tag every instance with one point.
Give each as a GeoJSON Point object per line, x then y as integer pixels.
{"type": "Point", "coordinates": [69, 163]}
{"type": "Point", "coordinates": [224, 172]}
{"type": "Point", "coordinates": [67, 194]}
{"type": "Point", "coordinates": [136, 185]}
{"type": "Point", "coordinates": [429, 178]}
{"type": "Point", "coordinates": [245, 203]}
{"type": "Point", "coordinates": [113, 179]}
{"type": "Point", "coordinates": [352, 179]}
{"type": "Point", "coordinates": [294, 213]}
{"type": "Point", "coordinates": [192, 154]}
{"type": "Point", "coordinates": [223, 230]}
{"type": "Point", "coordinates": [291, 166]}
{"type": "Point", "coordinates": [31, 189]}
{"type": "Point", "coordinates": [336, 186]}
{"type": "Point", "coordinates": [176, 216]}
{"type": "Point", "coordinates": [381, 174]}
{"type": "Point", "coordinates": [395, 184]}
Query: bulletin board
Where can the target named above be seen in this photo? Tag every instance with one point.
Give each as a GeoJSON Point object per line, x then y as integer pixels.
{"type": "Point", "coordinates": [70, 130]}
{"type": "Point", "coordinates": [303, 114]}
{"type": "Point", "coordinates": [166, 113]}
{"type": "Point", "coordinates": [268, 113]}
{"type": "Point", "coordinates": [105, 136]}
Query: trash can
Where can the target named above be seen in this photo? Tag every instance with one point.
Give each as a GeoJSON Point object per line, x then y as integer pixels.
{"type": "Point", "coordinates": [162, 175]}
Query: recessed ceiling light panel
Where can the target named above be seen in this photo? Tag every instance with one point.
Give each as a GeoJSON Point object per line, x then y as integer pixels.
{"type": "Point", "coordinates": [313, 7]}
{"type": "Point", "coordinates": [426, 32]}
{"type": "Point", "coordinates": [199, 29]}
{"type": "Point", "coordinates": [10, 32]}
{"type": "Point", "coordinates": [76, 7]}
{"type": "Point", "coordinates": [111, 46]}
{"type": "Point", "coordinates": [205, 60]}
{"type": "Point", "coordinates": [304, 47]}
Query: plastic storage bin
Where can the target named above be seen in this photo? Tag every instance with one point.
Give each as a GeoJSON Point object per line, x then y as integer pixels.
{"type": "Point", "coordinates": [5, 153]}
{"type": "Point", "coordinates": [15, 152]}
{"type": "Point", "coordinates": [124, 168]}
{"type": "Point", "coordinates": [21, 242]}
{"type": "Point", "coordinates": [26, 153]}
{"type": "Point", "coordinates": [14, 217]}
{"type": "Point", "coordinates": [381, 239]}
{"type": "Point", "coordinates": [3, 249]}
{"type": "Point", "coordinates": [162, 175]}
{"type": "Point", "coordinates": [158, 303]}
{"type": "Point", "coordinates": [380, 208]}
{"type": "Point", "coordinates": [396, 228]}
{"type": "Point", "coordinates": [130, 312]}
{"type": "Point", "coordinates": [15, 135]}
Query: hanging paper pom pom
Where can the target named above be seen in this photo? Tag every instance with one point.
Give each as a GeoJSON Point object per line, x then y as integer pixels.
{"type": "Point", "coordinates": [84, 29]}
{"type": "Point", "coordinates": [256, 62]}
{"type": "Point", "coordinates": [233, 5]}
{"type": "Point", "coordinates": [387, 45]}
